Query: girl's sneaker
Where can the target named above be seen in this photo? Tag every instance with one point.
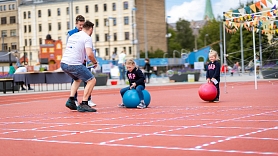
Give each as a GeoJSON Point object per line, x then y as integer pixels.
{"type": "Point", "coordinates": [216, 100]}
{"type": "Point", "coordinates": [141, 105]}
{"type": "Point", "coordinates": [121, 105]}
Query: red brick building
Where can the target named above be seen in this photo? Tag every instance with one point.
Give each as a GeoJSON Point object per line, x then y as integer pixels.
{"type": "Point", "coordinates": [51, 53]}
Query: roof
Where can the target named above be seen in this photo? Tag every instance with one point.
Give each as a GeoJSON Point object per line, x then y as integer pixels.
{"type": "Point", "coordinates": [31, 2]}
{"type": "Point", "coordinates": [4, 57]}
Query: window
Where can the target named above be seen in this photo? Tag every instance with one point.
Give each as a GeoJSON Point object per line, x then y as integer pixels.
{"type": "Point", "coordinates": [105, 22]}
{"type": "Point", "coordinates": [86, 9]}
{"type": "Point", "coordinates": [10, 7]}
{"type": "Point", "coordinates": [40, 40]}
{"type": "Point", "coordinates": [115, 36]}
{"type": "Point", "coordinates": [106, 37]}
{"type": "Point", "coordinates": [77, 10]}
{"type": "Point", "coordinates": [29, 28]}
{"type": "Point", "coordinates": [59, 38]}
{"type": "Point", "coordinates": [129, 50]}
{"type": "Point", "coordinates": [25, 29]}
{"type": "Point", "coordinates": [97, 37]}
{"type": "Point", "coordinates": [13, 32]}
{"type": "Point", "coordinates": [114, 22]}
{"type": "Point", "coordinates": [96, 8]}
{"type": "Point", "coordinates": [67, 10]}
{"type": "Point", "coordinates": [106, 51]}
{"type": "Point", "coordinates": [126, 35]}
{"type": "Point", "coordinates": [40, 27]}
{"type": "Point", "coordinates": [124, 48]}
{"type": "Point", "coordinates": [3, 20]}
{"type": "Point", "coordinates": [114, 6]}
{"type": "Point", "coordinates": [13, 7]}
{"type": "Point", "coordinates": [104, 7]}
{"type": "Point", "coordinates": [0, 7]}
{"type": "Point", "coordinates": [24, 15]}
{"type": "Point", "coordinates": [4, 33]}
{"type": "Point", "coordinates": [59, 25]}
{"type": "Point", "coordinates": [68, 25]}
{"type": "Point", "coordinates": [49, 12]}
{"type": "Point", "coordinates": [13, 45]}
{"type": "Point", "coordinates": [39, 13]}
{"type": "Point", "coordinates": [30, 42]}
{"type": "Point", "coordinates": [29, 14]}
{"type": "Point", "coordinates": [5, 46]}
{"type": "Point", "coordinates": [49, 27]}
{"type": "Point", "coordinates": [12, 19]}
{"type": "Point", "coordinates": [96, 22]}
{"type": "Point", "coordinates": [26, 42]}
{"type": "Point", "coordinates": [126, 20]}
{"type": "Point", "coordinates": [125, 5]}
{"type": "Point", "coordinates": [4, 7]}
{"type": "Point", "coordinates": [115, 50]}
{"type": "Point", "coordinates": [58, 11]}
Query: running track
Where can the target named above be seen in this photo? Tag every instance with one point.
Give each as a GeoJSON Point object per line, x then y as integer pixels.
{"type": "Point", "coordinates": [178, 122]}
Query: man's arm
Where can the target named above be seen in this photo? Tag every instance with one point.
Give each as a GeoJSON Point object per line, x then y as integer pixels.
{"type": "Point", "coordinates": [91, 55]}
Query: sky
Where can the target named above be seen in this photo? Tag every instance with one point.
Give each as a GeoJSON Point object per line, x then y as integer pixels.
{"type": "Point", "coordinates": [194, 9]}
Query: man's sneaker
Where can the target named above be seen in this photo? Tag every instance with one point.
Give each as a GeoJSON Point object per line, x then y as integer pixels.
{"type": "Point", "coordinates": [121, 105]}
{"type": "Point", "coordinates": [85, 108]}
{"type": "Point", "coordinates": [76, 103]}
{"type": "Point", "coordinates": [71, 104]}
{"type": "Point", "coordinates": [216, 100]}
{"type": "Point", "coordinates": [91, 103]}
{"type": "Point", "coordinates": [141, 105]}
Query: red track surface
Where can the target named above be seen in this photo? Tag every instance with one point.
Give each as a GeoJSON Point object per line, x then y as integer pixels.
{"type": "Point", "coordinates": [178, 122]}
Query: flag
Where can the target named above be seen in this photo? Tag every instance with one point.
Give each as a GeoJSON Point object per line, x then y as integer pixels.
{"type": "Point", "coordinates": [253, 7]}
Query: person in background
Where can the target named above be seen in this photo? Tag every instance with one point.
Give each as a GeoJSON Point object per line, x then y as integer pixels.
{"type": "Point", "coordinates": [22, 69]}
{"type": "Point", "coordinates": [12, 69]}
{"type": "Point", "coordinates": [147, 69]}
{"type": "Point", "coordinates": [121, 65]}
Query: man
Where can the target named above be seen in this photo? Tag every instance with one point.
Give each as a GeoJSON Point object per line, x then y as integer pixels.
{"type": "Point", "coordinates": [79, 22]}
{"type": "Point", "coordinates": [22, 69]}
{"type": "Point", "coordinates": [79, 46]}
{"type": "Point", "coordinates": [121, 65]}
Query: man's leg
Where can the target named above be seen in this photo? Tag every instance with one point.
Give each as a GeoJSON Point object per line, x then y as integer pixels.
{"type": "Point", "coordinates": [75, 95]}
{"type": "Point", "coordinates": [88, 89]}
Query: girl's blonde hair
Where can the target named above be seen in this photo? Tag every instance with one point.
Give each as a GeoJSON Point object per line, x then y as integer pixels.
{"type": "Point", "coordinates": [214, 53]}
{"type": "Point", "coordinates": [130, 62]}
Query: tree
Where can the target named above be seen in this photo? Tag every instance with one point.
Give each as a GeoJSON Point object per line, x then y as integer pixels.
{"type": "Point", "coordinates": [173, 44]}
{"type": "Point", "coordinates": [210, 34]}
{"type": "Point", "coordinates": [184, 35]}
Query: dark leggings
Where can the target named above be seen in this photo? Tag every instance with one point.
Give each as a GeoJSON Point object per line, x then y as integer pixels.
{"type": "Point", "coordinates": [148, 75]}
{"type": "Point", "coordinates": [218, 90]}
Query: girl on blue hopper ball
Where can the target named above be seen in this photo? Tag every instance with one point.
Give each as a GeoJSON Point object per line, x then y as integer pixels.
{"type": "Point", "coordinates": [213, 72]}
{"type": "Point", "coordinates": [136, 80]}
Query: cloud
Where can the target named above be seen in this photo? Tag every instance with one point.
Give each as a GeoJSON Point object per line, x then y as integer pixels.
{"type": "Point", "coordinates": [195, 9]}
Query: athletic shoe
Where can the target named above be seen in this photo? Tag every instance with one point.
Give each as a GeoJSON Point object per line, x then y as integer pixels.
{"type": "Point", "coordinates": [71, 104]}
{"type": "Point", "coordinates": [141, 105]}
{"type": "Point", "coordinates": [121, 105]}
{"type": "Point", "coordinates": [216, 100]}
{"type": "Point", "coordinates": [91, 103]}
{"type": "Point", "coordinates": [85, 108]}
{"type": "Point", "coordinates": [76, 103]}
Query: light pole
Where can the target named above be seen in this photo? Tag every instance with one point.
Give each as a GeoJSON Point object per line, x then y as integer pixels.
{"type": "Point", "coordinates": [196, 34]}
{"type": "Point", "coordinates": [206, 39]}
{"type": "Point", "coordinates": [167, 35]}
{"type": "Point", "coordinates": [133, 31]}
{"type": "Point", "coordinates": [108, 23]}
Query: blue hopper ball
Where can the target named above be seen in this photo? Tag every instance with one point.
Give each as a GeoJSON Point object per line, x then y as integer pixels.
{"type": "Point", "coordinates": [131, 98]}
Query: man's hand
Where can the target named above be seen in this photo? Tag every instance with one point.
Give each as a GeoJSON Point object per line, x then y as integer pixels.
{"type": "Point", "coordinates": [133, 85]}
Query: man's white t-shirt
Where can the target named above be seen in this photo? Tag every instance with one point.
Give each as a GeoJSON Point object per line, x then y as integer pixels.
{"type": "Point", "coordinates": [21, 70]}
{"type": "Point", "coordinates": [122, 58]}
{"type": "Point", "coordinates": [75, 52]}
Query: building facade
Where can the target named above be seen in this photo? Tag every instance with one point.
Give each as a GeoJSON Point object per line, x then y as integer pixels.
{"type": "Point", "coordinates": [8, 25]}
{"type": "Point", "coordinates": [119, 24]}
